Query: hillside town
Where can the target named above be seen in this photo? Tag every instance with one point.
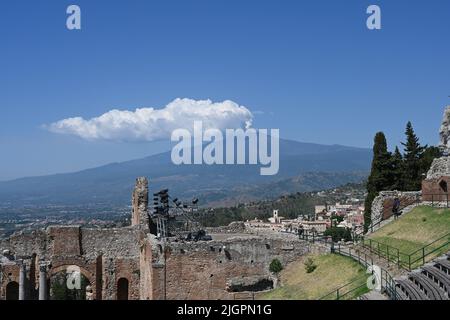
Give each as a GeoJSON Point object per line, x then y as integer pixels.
{"type": "Point", "coordinates": [347, 216]}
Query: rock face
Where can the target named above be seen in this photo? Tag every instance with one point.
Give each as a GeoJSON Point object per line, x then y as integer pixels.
{"type": "Point", "coordinates": [440, 167]}
{"type": "Point", "coordinates": [444, 131]}
{"type": "Point", "coordinates": [435, 187]}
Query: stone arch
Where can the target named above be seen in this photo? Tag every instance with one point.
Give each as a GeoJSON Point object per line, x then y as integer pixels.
{"type": "Point", "coordinates": [443, 186]}
{"type": "Point", "coordinates": [85, 272]}
{"type": "Point", "coordinates": [90, 277]}
{"type": "Point", "coordinates": [123, 289]}
{"type": "Point", "coordinates": [12, 291]}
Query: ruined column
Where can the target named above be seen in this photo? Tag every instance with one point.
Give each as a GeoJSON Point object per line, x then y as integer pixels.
{"type": "Point", "coordinates": [43, 282]}
{"type": "Point", "coordinates": [22, 277]}
{"type": "Point", "coordinates": [140, 203]}
{"type": "Point", "coordinates": [444, 132]}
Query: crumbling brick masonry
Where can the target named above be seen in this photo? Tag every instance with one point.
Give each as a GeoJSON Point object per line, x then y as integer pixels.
{"type": "Point", "coordinates": [130, 263]}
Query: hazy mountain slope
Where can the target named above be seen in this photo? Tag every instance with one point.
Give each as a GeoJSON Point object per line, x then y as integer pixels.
{"type": "Point", "coordinates": [113, 183]}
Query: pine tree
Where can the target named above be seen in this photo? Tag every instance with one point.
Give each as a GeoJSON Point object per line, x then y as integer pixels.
{"type": "Point", "coordinates": [412, 169]}
{"type": "Point", "coordinates": [381, 176]}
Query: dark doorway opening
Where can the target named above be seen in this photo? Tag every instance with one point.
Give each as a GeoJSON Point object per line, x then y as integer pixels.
{"type": "Point", "coordinates": [12, 291]}
{"type": "Point", "coordinates": [443, 186]}
{"type": "Point", "coordinates": [122, 289]}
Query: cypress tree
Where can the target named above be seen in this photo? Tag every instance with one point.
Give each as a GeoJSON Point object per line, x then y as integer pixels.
{"type": "Point", "coordinates": [397, 170]}
{"type": "Point", "coordinates": [381, 177]}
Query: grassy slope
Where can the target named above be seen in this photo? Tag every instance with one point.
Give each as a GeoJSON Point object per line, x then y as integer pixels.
{"type": "Point", "coordinates": [413, 231]}
{"type": "Point", "coordinates": [332, 272]}
{"type": "Point", "coordinates": [416, 229]}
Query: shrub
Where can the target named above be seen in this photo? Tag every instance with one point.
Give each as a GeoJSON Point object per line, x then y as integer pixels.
{"type": "Point", "coordinates": [338, 234]}
{"type": "Point", "coordinates": [275, 266]}
{"type": "Point", "coordinates": [309, 265]}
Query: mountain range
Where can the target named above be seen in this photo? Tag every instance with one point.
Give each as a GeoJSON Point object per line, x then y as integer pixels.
{"type": "Point", "coordinates": [303, 167]}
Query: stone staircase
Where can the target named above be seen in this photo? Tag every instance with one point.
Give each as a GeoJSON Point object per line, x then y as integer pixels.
{"type": "Point", "coordinates": [389, 266]}
{"type": "Point", "coordinates": [373, 295]}
{"type": "Point", "coordinates": [430, 282]}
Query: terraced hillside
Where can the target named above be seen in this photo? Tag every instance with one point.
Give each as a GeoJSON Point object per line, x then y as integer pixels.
{"type": "Point", "coordinates": [416, 229]}
{"type": "Point", "coordinates": [413, 239]}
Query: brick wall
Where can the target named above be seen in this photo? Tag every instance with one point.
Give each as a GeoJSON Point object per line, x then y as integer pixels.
{"type": "Point", "coordinates": [103, 255]}
{"type": "Point", "coordinates": [433, 191]}
{"type": "Point", "coordinates": [201, 270]}
{"type": "Point", "coordinates": [383, 203]}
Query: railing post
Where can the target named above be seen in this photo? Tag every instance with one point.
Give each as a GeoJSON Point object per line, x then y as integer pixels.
{"type": "Point", "coordinates": [387, 248]}
{"type": "Point", "coordinates": [337, 294]}
{"type": "Point", "coordinates": [423, 255]}
{"type": "Point", "coordinates": [409, 262]}
{"type": "Point", "coordinates": [398, 258]}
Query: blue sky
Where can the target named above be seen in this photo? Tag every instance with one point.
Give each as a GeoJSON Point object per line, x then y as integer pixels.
{"type": "Point", "coordinates": [310, 68]}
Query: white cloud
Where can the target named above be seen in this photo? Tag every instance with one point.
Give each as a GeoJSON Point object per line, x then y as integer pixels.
{"type": "Point", "coordinates": [149, 124]}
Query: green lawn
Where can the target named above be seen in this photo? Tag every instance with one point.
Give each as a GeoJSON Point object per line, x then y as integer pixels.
{"type": "Point", "coordinates": [333, 271]}
{"type": "Point", "coordinates": [422, 226]}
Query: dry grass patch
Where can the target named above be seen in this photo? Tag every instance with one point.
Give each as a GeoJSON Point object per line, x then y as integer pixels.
{"type": "Point", "coordinates": [416, 229]}
{"type": "Point", "coordinates": [331, 272]}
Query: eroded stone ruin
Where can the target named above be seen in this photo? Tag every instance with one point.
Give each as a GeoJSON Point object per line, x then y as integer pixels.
{"type": "Point", "coordinates": [131, 263]}
{"type": "Point", "coordinates": [435, 186]}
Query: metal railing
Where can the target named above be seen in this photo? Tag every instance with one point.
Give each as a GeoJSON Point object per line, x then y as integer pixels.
{"type": "Point", "coordinates": [387, 283]}
{"type": "Point", "coordinates": [408, 261]}
{"type": "Point", "coordinates": [314, 237]}
{"type": "Point", "coordinates": [439, 199]}
{"type": "Point", "coordinates": [346, 291]}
